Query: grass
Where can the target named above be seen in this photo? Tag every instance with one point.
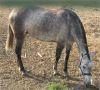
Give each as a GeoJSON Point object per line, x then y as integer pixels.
{"type": "Point", "coordinates": [57, 86]}
{"type": "Point", "coordinates": [86, 3]}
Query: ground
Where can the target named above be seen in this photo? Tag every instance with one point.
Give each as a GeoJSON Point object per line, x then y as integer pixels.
{"type": "Point", "coordinates": [38, 57]}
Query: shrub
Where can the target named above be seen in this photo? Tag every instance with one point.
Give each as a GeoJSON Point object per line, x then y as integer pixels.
{"type": "Point", "coordinates": [57, 86]}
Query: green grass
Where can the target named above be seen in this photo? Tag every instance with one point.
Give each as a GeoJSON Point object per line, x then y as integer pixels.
{"type": "Point", "coordinates": [57, 86]}
{"type": "Point", "coordinates": [86, 3]}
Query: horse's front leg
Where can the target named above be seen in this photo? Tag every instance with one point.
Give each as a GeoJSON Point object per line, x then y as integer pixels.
{"type": "Point", "coordinates": [59, 49]}
{"type": "Point", "coordinates": [68, 49]}
{"type": "Point", "coordinates": [66, 62]}
{"type": "Point", "coordinates": [19, 43]}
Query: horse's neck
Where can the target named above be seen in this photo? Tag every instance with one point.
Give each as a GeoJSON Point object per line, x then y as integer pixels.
{"type": "Point", "coordinates": [83, 49]}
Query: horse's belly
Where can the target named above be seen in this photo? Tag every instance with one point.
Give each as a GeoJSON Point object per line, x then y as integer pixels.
{"type": "Point", "coordinates": [44, 37]}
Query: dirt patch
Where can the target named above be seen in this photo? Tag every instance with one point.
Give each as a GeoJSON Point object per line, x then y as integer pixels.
{"type": "Point", "coordinates": [41, 68]}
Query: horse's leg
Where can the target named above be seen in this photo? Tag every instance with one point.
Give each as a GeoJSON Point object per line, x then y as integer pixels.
{"type": "Point", "coordinates": [19, 43]}
{"type": "Point", "coordinates": [68, 49]}
{"type": "Point", "coordinates": [59, 49]}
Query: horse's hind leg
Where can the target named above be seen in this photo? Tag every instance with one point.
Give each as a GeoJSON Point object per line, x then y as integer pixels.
{"type": "Point", "coordinates": [18, 48]}
{"type": "Point", "coordinates": [59, 49]}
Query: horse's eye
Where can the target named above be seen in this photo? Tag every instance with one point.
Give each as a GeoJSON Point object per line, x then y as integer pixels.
{"type": "Point", "coordinates": [84, 67]}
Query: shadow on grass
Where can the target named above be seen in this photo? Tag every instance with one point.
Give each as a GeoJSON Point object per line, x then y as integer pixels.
{"type": "Point", "coordinates": [44, 77]}
{"type": "Point", "coordinates": [81, 87]}
{"type": "Point", "coordinates": [69, 81]}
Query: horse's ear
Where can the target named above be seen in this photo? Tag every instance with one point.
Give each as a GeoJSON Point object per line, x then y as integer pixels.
{"type": "Point", "coordinates": [92, 55]}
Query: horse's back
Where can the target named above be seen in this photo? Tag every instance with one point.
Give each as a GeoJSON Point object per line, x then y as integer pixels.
{"type": "Point", "coordinates": [43, 24]}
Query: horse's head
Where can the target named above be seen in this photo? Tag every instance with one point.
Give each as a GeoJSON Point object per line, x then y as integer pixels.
{"type": "Point", "coordinates": [86, 67]}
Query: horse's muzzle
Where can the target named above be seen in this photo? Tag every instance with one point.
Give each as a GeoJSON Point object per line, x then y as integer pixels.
{"type": "Point", "coordinates": [87, 80]}
{"type": "Point", "coordinates": [88, 85]}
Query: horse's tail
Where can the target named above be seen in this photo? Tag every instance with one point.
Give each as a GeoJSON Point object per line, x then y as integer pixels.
{"type": "Point", "coordinates": [10, 36]}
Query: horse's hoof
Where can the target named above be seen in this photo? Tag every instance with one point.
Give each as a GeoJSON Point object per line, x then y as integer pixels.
{"type": "Point", "coordinates": [55, 73]}
{"type": "Point", "coordinates": [23, 73]}
{"type": "Point", "coordinates": [66, 76]}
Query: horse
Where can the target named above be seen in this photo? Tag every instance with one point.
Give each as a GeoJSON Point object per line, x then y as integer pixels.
{"type": "Point", "coordinates": [62, 26]}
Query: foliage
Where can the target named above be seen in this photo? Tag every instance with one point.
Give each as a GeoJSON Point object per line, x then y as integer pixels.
{"type": "Point", "coordinates": [57, 86]}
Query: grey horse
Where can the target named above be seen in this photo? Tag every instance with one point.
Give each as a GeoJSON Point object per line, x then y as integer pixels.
{"type": "Point", "coordinates": [62, 26]}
